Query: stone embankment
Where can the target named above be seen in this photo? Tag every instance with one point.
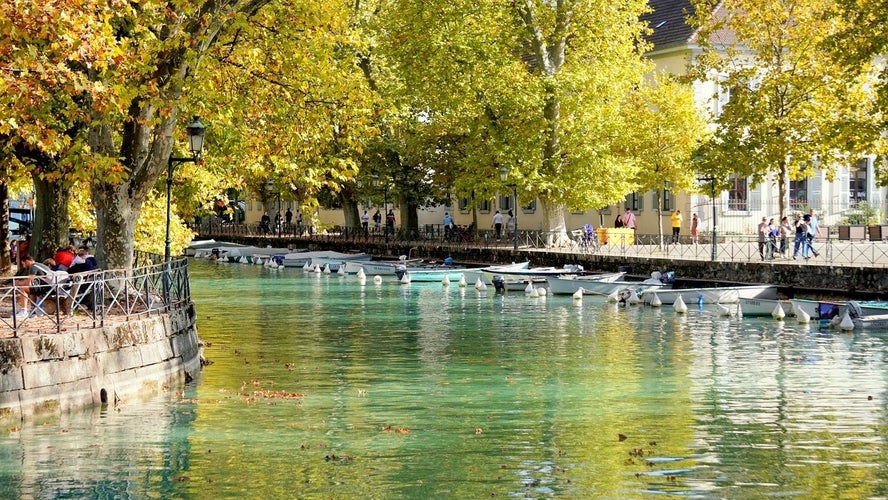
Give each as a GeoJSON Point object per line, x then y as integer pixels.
{"type": "Point", "coordinates": [54, 372]}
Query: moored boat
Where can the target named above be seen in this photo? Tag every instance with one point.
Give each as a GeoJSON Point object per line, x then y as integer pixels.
{"type": "Point", "coordinates": [593, 284]}
{"type": "Point", "coordinates": [473, 275]}
{"type": "Point", "coordinates": [299, 259]}
{"type": "Point", "coordinates": [765, 307]}
{"type": "Point", "coordinates": [428, 274]}
{"type": "Point", "coordinates": [710, 295]}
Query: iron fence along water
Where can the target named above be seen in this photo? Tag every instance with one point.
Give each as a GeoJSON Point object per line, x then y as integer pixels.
{"type": "Point", "coordinates": [90, 299]}
{"type": "Point", "coordinates": [730, 247]}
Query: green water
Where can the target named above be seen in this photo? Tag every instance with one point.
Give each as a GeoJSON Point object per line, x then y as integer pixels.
{"type": "Point", "coordinates": [322, 388]}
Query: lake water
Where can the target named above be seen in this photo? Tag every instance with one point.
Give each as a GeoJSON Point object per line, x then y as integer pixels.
{"type": "Point", "coordinates": [322, 388]}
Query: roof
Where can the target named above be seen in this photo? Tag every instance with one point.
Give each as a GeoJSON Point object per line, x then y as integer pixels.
{"type": "Point", "coordinates": [667, 21]}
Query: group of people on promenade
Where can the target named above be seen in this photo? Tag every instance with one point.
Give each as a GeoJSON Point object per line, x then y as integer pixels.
{"type": "Point", "coordinates": [37, 279]}
{"type": "Point", "coordinates": [377, 222]}
{"type": "Point", "coordinates": [497, 225]}
{"type": "Point", "coordinates": [773, 238]}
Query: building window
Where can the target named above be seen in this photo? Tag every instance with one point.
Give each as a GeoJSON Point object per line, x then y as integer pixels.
{"type": "Point", "coordinates": [798, 194]}
{"type": "Point", "coordinates": [857, 183]}
{"type": "Point", "coordinates": [530, 207]}
{"type": "Point", "coordinates": [668, 200]}
{"type": "Point", "coordinates": [505, 203]}
{"type": "Point", "coordinates": [738, 195]}
{"type": "Point", "coordinates": [633, 202]}
{"type": "Point", "coordinates": [464, 205]}
{"type": "Point", "coordinates": [484, 206]}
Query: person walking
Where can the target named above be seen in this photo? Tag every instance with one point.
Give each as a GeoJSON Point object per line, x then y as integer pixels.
{"type": "Point", "coordinates": [783, 233]}
{"type": "Point", "coordinates": [497, 225]}
{"type": "Point", "coordinates": [288, 217]}
{"type": "Point", "coordinates": [448, 226]}
{"type": "Point", "coordinates": [809, 236]}
{"type": "Point", "coordinates": [801, 237]}
{"type": "Point", "coordinates": [676, 225]}
{"type": "Point", "coordinates": [628, 219]}
{"type": "Point", "coordinates": [695, 228]}
{"type": "Point", "coordinates": [265, 222]}
{"type": "Point", "coordinates": [762, 236]}
{"type": "Point", "coordinates": [365, 223]}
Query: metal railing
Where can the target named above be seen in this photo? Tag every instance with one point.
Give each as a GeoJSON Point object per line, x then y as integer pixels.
{"type": "Point", "coordinates": [730, 248]}
{"type": "Point", "coordinates": [90, 299]}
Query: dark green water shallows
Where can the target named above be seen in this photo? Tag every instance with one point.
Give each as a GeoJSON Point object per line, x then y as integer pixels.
{"type": "Point", "coordinates": [322, 388]}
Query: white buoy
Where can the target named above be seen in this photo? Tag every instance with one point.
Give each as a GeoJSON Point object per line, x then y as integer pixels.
{"type": "Point", "coordinates": [578, 295]}
{"type": "Point", "coordinates": [614, 297]}
{"type": "Point", "coordinates": [405, 279]}
{"type": "Point", "coordinates": [327, 269]}
{"type": "Point", "coordinates": [446, 281]}
{"type": "Point", "coordinates": [655, 300]}
{"type": "Point", "coordinates": [462, 281]}
{"type": "Point", "coordinates": [847, 324]}
{"type": "Point", "coordinates": [802, 316]}
{"type": "Point", "coordinates": [723, 310]}
{"type": "Point", "coordinates": [316, 269]}
{"type": "Point", "coordinates": [377, 279]}
{"type": "Point", "coordinates": [306, 267]}
{"type": "Point", "coordinates": [778, 312]}
{"type": "Point", "coordinates": [529, 289]}
{"type": "Point", "coordinates": [341, 270]}
{"type": "Point", "coordinates": [541, 294]}
{"type": "Point", "coordinates": [362, 279]}
{"type": "Point", "coordinates": [680, 306]}
{"type": "Point", "coordinates": [543, 291]}
{"type": "Point", "coordinates": [361, 273]}
{"type": "Point", "coordinates": [533, 293]}
{"type": "Point", "coordinates": [739, 310]}
{"type": "Point", "coordinates": [479, 283]}
{"type": "Point", "coordinates": [633, 298]}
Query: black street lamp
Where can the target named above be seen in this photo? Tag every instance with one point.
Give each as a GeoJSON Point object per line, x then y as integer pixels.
{"type": "Point", "coordinates": [504, 176]}
{"type": "Point", "coordinates": [384, 205]}
{"type": "Point", "coordinates": [196, 131]}
{"type": "Point", "coordinates": [711, 181]}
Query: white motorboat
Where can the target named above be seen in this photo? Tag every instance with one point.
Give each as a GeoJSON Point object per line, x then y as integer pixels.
{"type": "Point", "coordinates": [594, 284]}
{"type": "Point", "coordinates": [765, 307]}
{"type": "Point", "coordinates": [337, 259]}
{"type": "Point", "coordinates": [428, 274]}
{"type": "Point", "coordinates": [531, 273]}
{"type": "Point", "coordinates": [711, 295]}
{"type": "Point", "coordinates": [378, 267]}
{"type": "Point", "coordinates": [300, 259]}
{"type": "Point", "coordinates": [473, 275]}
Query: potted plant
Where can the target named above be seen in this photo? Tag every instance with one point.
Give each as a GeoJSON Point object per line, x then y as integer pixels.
{"type": "Point", "coordinates": [855, 221]}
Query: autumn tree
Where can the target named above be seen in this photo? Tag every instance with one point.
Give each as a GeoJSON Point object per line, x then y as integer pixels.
{"type": "Point", "coordinates": [668, 129]}
{"type": "Point", "coordinates": [532, 86]}
{"type": "Point", "coordinates": [792, 107]}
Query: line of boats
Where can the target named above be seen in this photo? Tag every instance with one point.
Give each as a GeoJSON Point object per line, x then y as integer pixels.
{"type": "Point", "coordinates": [657, 290]}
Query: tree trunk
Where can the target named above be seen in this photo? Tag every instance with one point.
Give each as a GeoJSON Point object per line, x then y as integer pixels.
{"type": "Point", "coordinates": [350, 213]}
{"type": "Point", "coordinates": [410, 218]}
{"type": "Point", "coordinates": [145, 149]}
{"type": "Point", "coordinates": [556, 227]}
{"type": "Point", "coordinates": [659, 196]}
{"type": "Point", "coordinates": [116, 215]}
{"type": "Point", "coordinates": [51, 220]}
{"type": "Point", "coordinates": [783, 188]}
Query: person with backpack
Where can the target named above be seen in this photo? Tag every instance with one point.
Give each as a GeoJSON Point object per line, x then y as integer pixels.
{"type": "Point", "coordinates": [801, 237]}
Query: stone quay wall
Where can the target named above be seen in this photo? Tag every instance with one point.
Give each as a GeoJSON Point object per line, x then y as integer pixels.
{"type": "Point", "coordinates": [56, 372]}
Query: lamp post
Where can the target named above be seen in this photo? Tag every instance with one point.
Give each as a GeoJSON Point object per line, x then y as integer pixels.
{"type": "Point", "coordinates": [711, 181]}
{"type": "Point", "coordinates": [196, 131]}
{"type": "Point", "coordinates": [504, 176]}
{"type": "Point", "coordinates": [385, 227]}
